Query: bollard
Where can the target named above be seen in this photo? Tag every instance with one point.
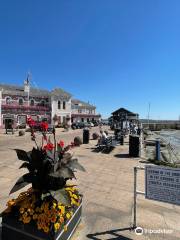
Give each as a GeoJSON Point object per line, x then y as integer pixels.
{"type": "Point", "coordinates": [158, 150]}
{"type": "Point", "coordinates": [122, 140]}
{"type": "Point", "coordinates": [85, 136]}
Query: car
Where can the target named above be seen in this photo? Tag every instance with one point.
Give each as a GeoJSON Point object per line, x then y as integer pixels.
{"type": "Point", "coordinates": [92, 124]}
{"type": "Point", "coordinates": [87, 124]}
{"type": "Point", "coordinates": [95, 123]}
{"type": "Point", "coordinates": [74, 126]}
{"type": "Point", "coordinates": [81, 125]}
{"type": "Point", "coordinates": [77, 125]}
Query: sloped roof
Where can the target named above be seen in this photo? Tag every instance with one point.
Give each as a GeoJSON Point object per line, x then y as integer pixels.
{"type": "Point", "coordinates": [83, 104]}
{"type": "Point", "coordinates": [124, 110]}
{"type": "Point", "coordinates": [19, 90]}
{"type": "Point", "coordinates": [60, 92]}
{"type": "Point", "coordinates": [35, 92]}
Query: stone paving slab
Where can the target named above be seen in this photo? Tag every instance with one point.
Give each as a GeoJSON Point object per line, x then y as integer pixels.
{"type": "Point", "coordinates": [107, 187]}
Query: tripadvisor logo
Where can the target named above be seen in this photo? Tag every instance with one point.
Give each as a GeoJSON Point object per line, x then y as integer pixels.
{"type": "Point", "coordinates": [139, 231]}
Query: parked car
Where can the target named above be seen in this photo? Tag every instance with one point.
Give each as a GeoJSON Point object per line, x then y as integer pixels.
{"type": "Point", "coordinates": [81, 125]}
{"type": "Point", "coordinates": [74, 126]}
{"type": "Point", "coordinates": [77, 125]}
{"type": "Point", "coordinates": [92, 124]}
{"type": "Point", "coordinates": [87, 124]}
{"type": "Point", "coordinates": [95, 123]}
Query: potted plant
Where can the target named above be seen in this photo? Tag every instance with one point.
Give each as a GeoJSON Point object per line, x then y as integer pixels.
{"type": "Point", "coordinates": [50, 208]}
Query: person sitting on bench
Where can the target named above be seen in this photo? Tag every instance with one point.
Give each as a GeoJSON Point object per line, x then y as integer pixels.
{"type": "Point", "coordinates": [103, 137]}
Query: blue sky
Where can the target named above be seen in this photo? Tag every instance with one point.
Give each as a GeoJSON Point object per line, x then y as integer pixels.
{"type": "Point", "coordinates": [112, 53]}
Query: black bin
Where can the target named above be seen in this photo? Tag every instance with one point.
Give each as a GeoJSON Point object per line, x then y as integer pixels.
{"type": "Point", "coordinates": [85, 136]}
{"type": "Point", "coordinates": [122, 140]}
{"type": "Point", "coordinates": [134, 145]}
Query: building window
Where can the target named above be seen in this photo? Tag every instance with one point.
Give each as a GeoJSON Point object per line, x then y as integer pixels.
{"type": "Point", "coordinates": [64, 105]}
{"type": "Point", "coordinates": [32, 102]}
{"type": "Point", "coordinates": [82, 119]}
{"type": "Point", "coordinates": [79, 111]}
{"type": "Point", "coordinates": [8, 100]}
{"type": "Point", "coordinates": [42, 103]}
{"type": "Point", "coordinates": [20, 101]}
{"type": "Point", "coordinates": [59, 105]}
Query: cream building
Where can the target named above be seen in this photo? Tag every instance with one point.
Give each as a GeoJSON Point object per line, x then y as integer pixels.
{"type": "Point", "coordinates": [83, 112]}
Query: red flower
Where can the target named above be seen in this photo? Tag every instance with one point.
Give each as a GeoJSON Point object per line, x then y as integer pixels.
{"type": "Point", "coordinates": [48, 147]}
{"type": "Point", "coordinates": [61, 144]}
{"type": "Point", "coordinates": [30, 122]}
{"type": "Point", "coordinates": [44, 126]}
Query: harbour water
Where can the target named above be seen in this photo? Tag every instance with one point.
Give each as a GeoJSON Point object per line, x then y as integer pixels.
{"type": "Point", "coordinates": [173, 137]}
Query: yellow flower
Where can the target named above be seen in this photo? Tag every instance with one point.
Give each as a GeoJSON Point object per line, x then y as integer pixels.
{"type": "Point", "coordinates": [42, 207]}
{"type": "Point", "coordinates": [73, 202]}
{"type": "Point", "coordinates": [46, 229]}
{"type": "Point", "coordinates": [68, 215]}
{"type": "Point", "coordinates": [11, 203]}
{"type": "Point", "coordinates": [54, 205]}
{"type": "Point", "coordinates": [25, 215]}
{"type": "Point", "coordinates": [56, 226]}
{"type": "Point", "coordinates": [39, 226]}
{"type": "Point", "coordinates": [75, 196]}
{"type": "Point", "coordinates": [35, 216]}
{"type": "Point", "coordinates": [65, 228]}
{"type": "Point", "coordinates": [27, 220]}
{"type": "Point", "coordinates": [21, 210]}
{"type": "Point", "coordinates": [31, 211]}
{"type": "Point", "coordinates": [70, 193]}
{"type": "Point", "coordinates": [62, 208]}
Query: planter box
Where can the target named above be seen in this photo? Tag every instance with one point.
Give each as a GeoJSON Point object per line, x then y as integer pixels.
{"type": "Point", "coordinates": [13, 229]}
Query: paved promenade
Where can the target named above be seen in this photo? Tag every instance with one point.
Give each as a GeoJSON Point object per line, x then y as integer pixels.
{"type": "Point", "coordinates": [107, 187]}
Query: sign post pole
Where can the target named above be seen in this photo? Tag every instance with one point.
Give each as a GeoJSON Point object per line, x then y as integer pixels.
{"type": "Point", "coordinates": [158, 150]}
{"type": "Point", "coordinates": [135, 192]}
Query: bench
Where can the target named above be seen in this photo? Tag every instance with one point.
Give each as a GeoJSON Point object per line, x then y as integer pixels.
{"type": "Point", "coordinates": [108, 145]}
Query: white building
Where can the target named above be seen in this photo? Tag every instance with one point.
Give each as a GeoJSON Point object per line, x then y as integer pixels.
{"type": "Point", "coordinates": [61, 106]}
{"type": "Point", "coordinates": [83, 112]}
{"type": "Point", "coordinates": [19, 102]}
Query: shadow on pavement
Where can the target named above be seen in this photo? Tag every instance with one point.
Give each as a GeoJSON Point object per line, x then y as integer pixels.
{"type": "Point", "coordinates": [111, 235]}
{"type": "Point", "coordinates": [122, 155]}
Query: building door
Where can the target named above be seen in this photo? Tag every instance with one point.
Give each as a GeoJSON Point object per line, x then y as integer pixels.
{"type": "Point", "coordinates": [64, 119]}
{"type": "Point", "coordinates": [8, 123]}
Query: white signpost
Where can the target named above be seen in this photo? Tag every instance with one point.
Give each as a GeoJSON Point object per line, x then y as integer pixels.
{"type": "Point", "coordinates": [162, 184]}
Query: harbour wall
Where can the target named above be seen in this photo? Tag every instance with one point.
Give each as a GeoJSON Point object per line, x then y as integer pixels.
{"type": "Point", "coordinates": [162, 125]}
